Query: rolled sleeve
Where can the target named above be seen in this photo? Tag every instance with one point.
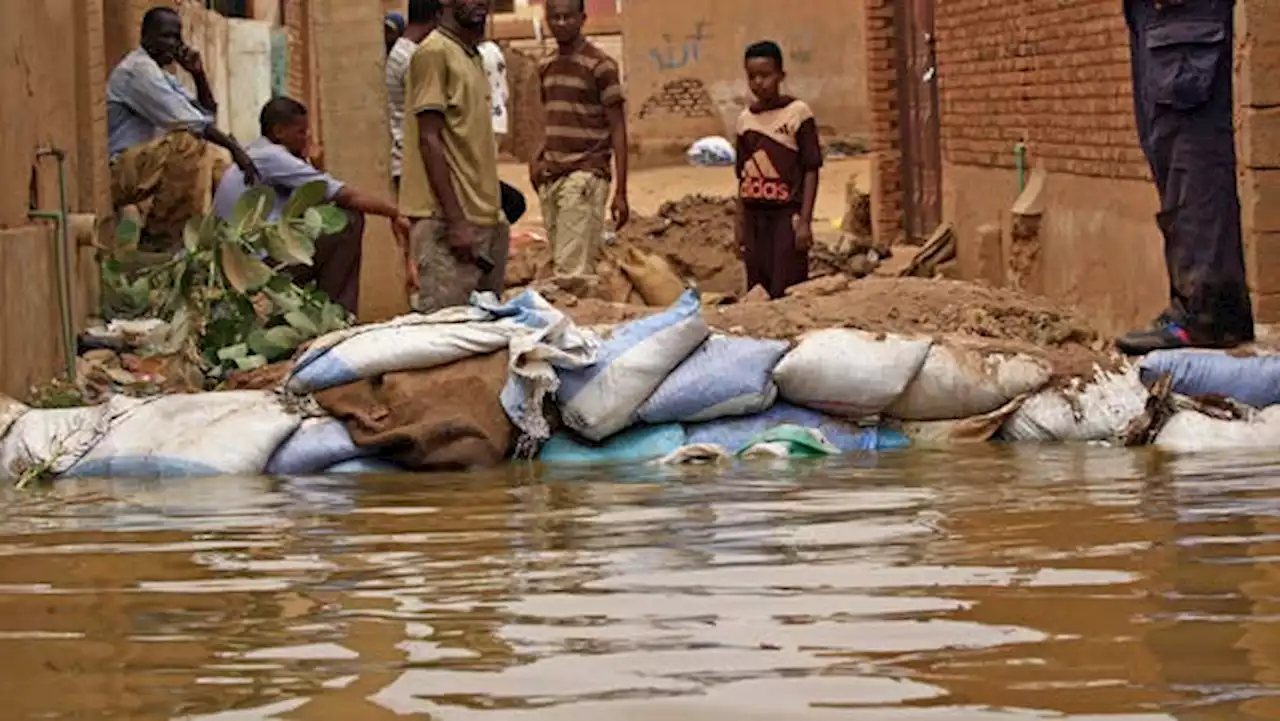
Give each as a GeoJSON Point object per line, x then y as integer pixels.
{"type": "Point", "coordinates": [608, 83]}
{"type": "Point", "coordinates": [428, 84]}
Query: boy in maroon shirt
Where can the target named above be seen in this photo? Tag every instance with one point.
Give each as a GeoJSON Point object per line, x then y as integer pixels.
{"type": "Point", "coordinates": [777, 161]}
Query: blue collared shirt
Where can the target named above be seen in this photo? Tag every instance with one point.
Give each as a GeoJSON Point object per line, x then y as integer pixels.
{"type": "Point", "coordinates": [278, 168]}
{"type": "Point", "coordinates": [144, 102]}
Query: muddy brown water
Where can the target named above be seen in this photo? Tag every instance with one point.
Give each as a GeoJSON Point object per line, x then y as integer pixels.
{"type": "Point", "coordinates": [1000, 584]}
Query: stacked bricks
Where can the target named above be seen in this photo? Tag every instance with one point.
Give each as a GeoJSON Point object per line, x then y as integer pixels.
{"type": "Point", "coordinates": [685, 98]}
{"type": "Point", "coordinates": [1053, 74]}
{"type": "Point", "coordinates": [885, 143]}
{"type": "Point", "coordinates": [1258, 113]}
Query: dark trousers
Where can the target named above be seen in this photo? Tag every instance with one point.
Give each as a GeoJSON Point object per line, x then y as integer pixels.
{"type": "Point", "coordinates": [336, 270]}
{"type": "Point", "coordinates": [1182, 89]}
{"type": "Point", "coordinates": [769, 249]}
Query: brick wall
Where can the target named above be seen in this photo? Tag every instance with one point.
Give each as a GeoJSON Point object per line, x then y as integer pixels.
{"type": "Point", "coordinates": [885, 144]}
{"type": "Point", "coordinates": [1051, 73]}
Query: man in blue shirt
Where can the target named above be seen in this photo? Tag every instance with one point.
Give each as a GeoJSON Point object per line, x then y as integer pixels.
{"type": "Point", "coordinates": [280, 158]}
{"type": "Point", "coordinates": [160, 138]}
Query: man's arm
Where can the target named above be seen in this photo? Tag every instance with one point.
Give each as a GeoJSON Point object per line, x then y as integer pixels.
{"type": "Point", "coordinates": [191, 61]}
{"type": "Point", "coordinates": [609, 83]}
{"type": "Point", "coordinates": [238, 155]}
{"type": "Point", "coordinates": [811, 160]}
{"type": "Point", "coordinates": [431, 150]}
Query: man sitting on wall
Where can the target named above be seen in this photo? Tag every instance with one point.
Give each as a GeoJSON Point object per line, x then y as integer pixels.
{"type": "Point", "coordinates": [160, 138]}
{"type": "Point", "coordinates": [279, 156]}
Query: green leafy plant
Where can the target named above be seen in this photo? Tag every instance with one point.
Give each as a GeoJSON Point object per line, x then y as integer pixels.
{"type": "Point", "coordinates": [228, 303]}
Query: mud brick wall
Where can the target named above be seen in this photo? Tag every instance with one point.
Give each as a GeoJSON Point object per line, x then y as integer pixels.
{"type": "Point", "coordinates": [1258, 115]}
{"type": "Point", "coordinates": [885, 143]}
{"type": "Point", "coordinates": [1051, 73]}
{"type": "Point", "coordinates": [685, 98]}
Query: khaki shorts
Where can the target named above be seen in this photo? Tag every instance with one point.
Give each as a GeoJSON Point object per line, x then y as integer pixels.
{"type": "Point", "coordinates": [446, 281]}
{"type": "Point", "coordinates": [573, 211]}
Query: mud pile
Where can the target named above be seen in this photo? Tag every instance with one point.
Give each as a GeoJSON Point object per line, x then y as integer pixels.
{"type": "Point", "coordinates": [1007, 320]}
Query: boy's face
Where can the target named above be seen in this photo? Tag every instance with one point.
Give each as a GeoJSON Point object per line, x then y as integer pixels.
{"type": "Point", "coordinates": [764, 78]}
{"type": "Point", "coordinates": [565, 19]}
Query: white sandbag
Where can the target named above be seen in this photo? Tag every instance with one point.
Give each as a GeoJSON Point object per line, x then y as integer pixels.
{"type": "Point", "coordinates": [1192, 431]}
{"type": "Point", "coordinates": [959, 381]}
{"type": "Point", "coordinates": [711, 151]}
{"type": "Point", "coordinates": [725, 376]}
{"type": "Point", "coordinates": [199, 434]}
{"type": "Point", "coordinates": [10, 411]}
{"type": "Point", "coordinates": [601, 399]}
{"type": "Point", "coordinates": [411, 342]}
{"type": "Point", "coordinates": [52, 440]}
{"type": "Point", "coordinates": [974, 429]}
{"type": "Point", "coordinates": [849, 373]}
{"type": "Point", "coordinates": [1099, 410]}
{"type": "Point", "coordinates": [316, 445]}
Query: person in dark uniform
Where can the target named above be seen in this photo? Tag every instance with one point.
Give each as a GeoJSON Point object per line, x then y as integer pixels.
{"type": "Point", "coordinates": [778, 158]}
{"type": "Point", "coordinates": [1182, 86]}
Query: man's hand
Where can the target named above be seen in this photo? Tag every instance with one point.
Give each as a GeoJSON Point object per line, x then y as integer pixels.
{"type": "Point", "coordinates": [537, 171]}
{"type": "Point", "coordinates": [191, 61]}
{"type": "Point", "coordinates": [462, 240]}
{"type": "Point", "coordinates": [400, 227]}
{"type": "Point", "coordinates": [251, 175]}
{"type": "Point", "coordinates": [804, 232]}
{"type": "Point", "coordinates": [621, 210]}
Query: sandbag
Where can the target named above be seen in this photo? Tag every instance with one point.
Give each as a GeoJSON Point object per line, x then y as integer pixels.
{"type": "Point", "coordinates": [1099, 410]}
{"type": "Point", "coordinates": [601, 399]}
{"type": "Point", "coordinates": [316, 445]}
{"type": "Point", "coordinates": [734, 434]}
{"type": "Point", "coordinates": [1191, 431]}
{"type": "Point", "coordinates": [711, 151]}
{"type": "Point", "coordinates": [974, 429]}
{"type": "Point", "coordinates": [642, 443]}
{"type": "Point", "coordinates": [50, 441]}
{"type": "Point", "coordinates": [788, 441]}
{"type": "Point", "coordinates": [10, 411]}
{"type": "Point", "coordinates": [850, 373]}
{"type": "Point", "coordinates": [726, 376]}
{"type": "Point", "coordinates": [444, 418]}
{"type": "Point", "coordinates": [224, 433]}
{"type": "Point", "coordinates": [1252, 380]}
{"type": "Point", "coordinates": [652, 277]}
{"type": "Point", "coordinates": [364, 466]}
{"type": "Point", "coordinates": [960, 381]}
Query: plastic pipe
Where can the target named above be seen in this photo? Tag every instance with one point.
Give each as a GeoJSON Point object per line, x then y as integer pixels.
{"type": "Point", "coordinates": [61, 257]}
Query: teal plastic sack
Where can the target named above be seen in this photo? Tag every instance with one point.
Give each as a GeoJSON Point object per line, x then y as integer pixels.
{"type": "Point", "coordinates": [639, 444]}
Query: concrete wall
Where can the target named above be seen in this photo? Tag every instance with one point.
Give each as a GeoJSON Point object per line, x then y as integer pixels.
{"type": "Point", "coordinates": [684, 64]}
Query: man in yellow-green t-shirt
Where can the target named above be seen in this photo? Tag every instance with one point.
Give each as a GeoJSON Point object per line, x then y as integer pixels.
{"type": "Point", "coordinates": [449, 183]}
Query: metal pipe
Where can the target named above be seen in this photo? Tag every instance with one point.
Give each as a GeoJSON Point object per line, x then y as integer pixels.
{"type": "Point", "coordinates": [62, 257]}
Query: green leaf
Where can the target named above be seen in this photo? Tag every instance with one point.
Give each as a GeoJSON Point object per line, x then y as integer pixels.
{"type": "Point", "coordinates": [251, 210]}
{"type": "Point", "coordinates": [191, 234]}
{"type": "Point", "coordinates": [302, 323]}
{"type": "Point", "coordinates": [333, 317]}
{"type": "Point", "coordinates": [288, 246]}
{"type": "Point", "coordinates": [284, 337]}
{"type": "Point", "coordinates": [233, 352]}
{"type": "Point", "coordinates": [249, 363]}
{"type": "Point", "coordinates": [312, 223]}
{"type": "Point", "coordinates": [284, 301]}
{"type": "Point", "coordinates": [274, 343]}
{"type": "Point", "coordinates": [334, 220]}
{"type": "Point", "coordinates": [244, 272]}
{"type": "Point", "coordinates": [304, 197]}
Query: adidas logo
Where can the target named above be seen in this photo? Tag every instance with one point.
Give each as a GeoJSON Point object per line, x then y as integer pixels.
{"type": "Point", "coordinates": [761, 180]}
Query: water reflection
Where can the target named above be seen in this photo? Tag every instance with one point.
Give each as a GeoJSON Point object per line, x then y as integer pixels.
{"type": "Point", "coordinates": [1001, 583]}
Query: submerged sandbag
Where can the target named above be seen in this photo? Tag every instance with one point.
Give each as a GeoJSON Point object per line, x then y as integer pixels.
{"type": "Point", "coordinates": [601, 400]}
{"type": "Point", "coordinates": [1099, 410]}
{"type": "Point", "coordinates": [51, 441]}
{"type": "Point", "coordinates": [224, 433]}
{"type": "Point", "coordinates": [850, 373]}
{"type": "Point", "coordinates": [788, 441]}
{"type": "Point", "coordinates": [444, 418]}
{"type": "Point", "coordinates": [974, 429]}
{"type": "Point", "coordinates": [726, 376]}
{"type": "Point", "coordinates": [642, 443]}
{"type": "Point", "coordinates": [959, 380]}
{"type": "Point", "coordinates": [1191, 431]}
{"type": "Point", "coordinates": [316, 445]}
{"type": "Point", "coordinates": [364, 466]}
{"type": "Point", "coordinates": [1251, 380]}
{"type": "Point", "coordinates": [735, 434]}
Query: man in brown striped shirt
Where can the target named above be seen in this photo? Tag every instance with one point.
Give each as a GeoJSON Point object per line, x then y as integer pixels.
{"type": "Point", "coordinates": [586, 133]}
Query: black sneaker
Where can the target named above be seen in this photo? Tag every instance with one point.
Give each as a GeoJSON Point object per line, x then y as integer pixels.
{"type": "Point", "coordinates": [1173, 336]}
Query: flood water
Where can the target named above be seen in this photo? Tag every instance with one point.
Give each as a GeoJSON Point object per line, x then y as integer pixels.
{"type": "Point", "coordinates": [1001, 584]}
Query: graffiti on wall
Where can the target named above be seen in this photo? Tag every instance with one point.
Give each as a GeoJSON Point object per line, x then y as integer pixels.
{"type": "Point", "coordinates": [684, 98]}
{"type": "Point", "coordinates": [671, 55]}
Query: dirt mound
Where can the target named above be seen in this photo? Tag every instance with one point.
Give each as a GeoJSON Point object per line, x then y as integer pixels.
{"type": "Point", "coordinates": [1007, 320]}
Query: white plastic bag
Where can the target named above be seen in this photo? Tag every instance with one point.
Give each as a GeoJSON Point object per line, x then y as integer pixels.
{"type": "Point", "coordinates": [712, 150]}
{"type": "Point", "coordinates": [1192, 431]}
{"type": "Point", "coordinates": [849, 373]}
{"type": "Point", "coordinates": [959, 381]}
{"type": "Point", "coordinates": [200, 434]}
{"type": "Point", "coordinates": [1099, 410]}
{"type": "Point", "coordinates": [725, 376]}
{"type": "Point", "coordinates": [601, 399]}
